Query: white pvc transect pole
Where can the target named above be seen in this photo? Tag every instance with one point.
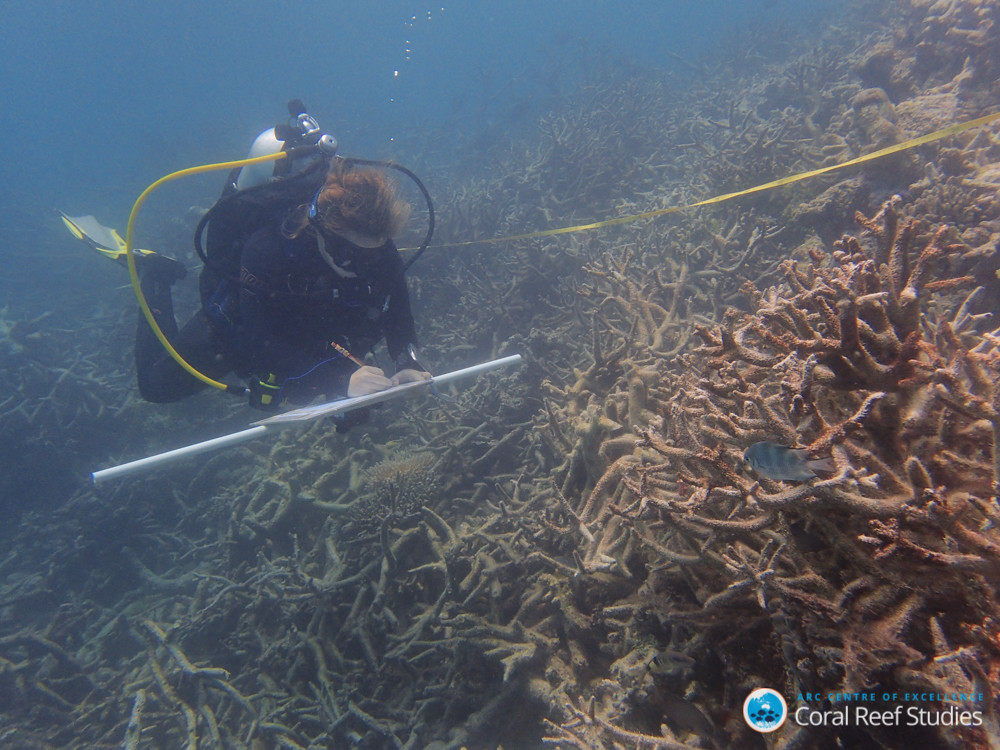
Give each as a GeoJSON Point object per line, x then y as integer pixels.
{"type": "Point", "coordinates": [294, 417]}
{"type": "Point", "coordinates": [188, 450]}
{"type": "Point", "coordinates": [344, 405]}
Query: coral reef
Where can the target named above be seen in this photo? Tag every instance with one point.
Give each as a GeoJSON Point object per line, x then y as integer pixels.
{"type": "Point", "coordinates": [848, 576]}
{"type": "Point", "coordinates": [397, 487]}
{"type": "Point", "coordinates": [579, 543]}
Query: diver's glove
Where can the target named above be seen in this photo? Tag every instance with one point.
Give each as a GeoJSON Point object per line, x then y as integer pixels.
{"type": "Point", "coordinates": [264, 394]}
{"type": "Point", "coordinates": [410, 376]}
{"type": "Point", "coordinates": [408, 368]}
{"type": "Point", "coordinates": [367, 380]}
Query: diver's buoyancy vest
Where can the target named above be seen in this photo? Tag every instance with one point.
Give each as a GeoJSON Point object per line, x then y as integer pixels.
{"type": "Point", "coordinates": [238, 214]}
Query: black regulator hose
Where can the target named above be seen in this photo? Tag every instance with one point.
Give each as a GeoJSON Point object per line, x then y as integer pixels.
{"type": "Point", "coordinates": [231, 194]}
{"type": "Point", "coordinates": [423, 190]}
{"type": "Point", "coordinates": [199, 231]}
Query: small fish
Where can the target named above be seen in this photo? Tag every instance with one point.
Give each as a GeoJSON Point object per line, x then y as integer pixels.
{"type": "Point", "coordinates": [780, 462]}
{"type": "Point", "coordinates": [668, 661]}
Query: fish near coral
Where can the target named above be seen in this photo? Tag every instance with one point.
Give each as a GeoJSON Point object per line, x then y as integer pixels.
{"type": "Point", "coordinates": [669, 661]}
{"type": "Point", "coordinates": [779, 462]}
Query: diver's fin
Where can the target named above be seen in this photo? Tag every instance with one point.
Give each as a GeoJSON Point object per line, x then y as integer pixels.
{"type": "Point", "coordinates": [96, 236]}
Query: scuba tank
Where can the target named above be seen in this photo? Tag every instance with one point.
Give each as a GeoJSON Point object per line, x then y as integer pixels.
{"type": "Point", "coordinates": [256, 195]}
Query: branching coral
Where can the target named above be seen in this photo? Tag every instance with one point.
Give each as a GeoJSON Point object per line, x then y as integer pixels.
{"type": "Point", "coordinates": [853, 354]}
{"type": "Point", "coordinates": [572, 524]}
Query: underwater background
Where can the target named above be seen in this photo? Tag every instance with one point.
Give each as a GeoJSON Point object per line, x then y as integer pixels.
{"type": "Point", "coordinates": [572, 554]}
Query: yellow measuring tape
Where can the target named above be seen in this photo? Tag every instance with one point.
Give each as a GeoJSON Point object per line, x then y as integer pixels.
{"type": "Point", "coordinates": [148, 313]}
{"type": "Point", "coordinates": [937, 135]}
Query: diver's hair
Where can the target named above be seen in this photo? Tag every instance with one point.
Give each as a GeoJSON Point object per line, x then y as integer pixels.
{"type": "Point", "coordinates": [354, 200]}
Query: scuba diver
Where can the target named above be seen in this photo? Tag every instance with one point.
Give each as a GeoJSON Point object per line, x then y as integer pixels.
{"type": "Point", "coordinates": [301, 280]}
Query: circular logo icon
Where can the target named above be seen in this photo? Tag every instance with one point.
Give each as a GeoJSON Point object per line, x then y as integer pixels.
{"type": "Point", "coordinates": [765, 710]}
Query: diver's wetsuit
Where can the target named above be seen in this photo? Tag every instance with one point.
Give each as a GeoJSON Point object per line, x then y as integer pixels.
{"type": "Point", "coordinates": [289, 307]}
{"type": "Point", "coordinates": [160, 378]}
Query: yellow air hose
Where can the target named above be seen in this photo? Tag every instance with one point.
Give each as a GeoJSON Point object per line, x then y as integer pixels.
{"type": "Point", "coordinates": [240, 390]}
{"type": "Point", "coordinates": [134, 276]}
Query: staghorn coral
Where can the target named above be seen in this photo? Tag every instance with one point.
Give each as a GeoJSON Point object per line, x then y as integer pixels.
{"type": "Point", "coordinates": [853, 355]}
{"type": "Point", "coordinates": [592, 510]}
